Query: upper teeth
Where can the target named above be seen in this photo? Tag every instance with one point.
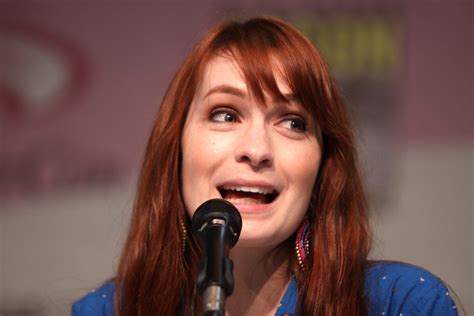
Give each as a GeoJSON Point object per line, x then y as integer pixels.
{"type": "Point", "coordinates": [248, 189]}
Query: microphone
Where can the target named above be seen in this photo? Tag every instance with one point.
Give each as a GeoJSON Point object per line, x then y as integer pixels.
{"type": "Point", "coordinates": [217, 225]}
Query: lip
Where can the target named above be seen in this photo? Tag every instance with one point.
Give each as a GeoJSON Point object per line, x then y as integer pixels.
{"type": "Point", "coordinates": [252, 208]}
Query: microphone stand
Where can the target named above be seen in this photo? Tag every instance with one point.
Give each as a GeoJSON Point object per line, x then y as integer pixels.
{"type": "Point", "coordinates": [215, 280]}
{"type": "Point", "coordinates": [217, 224]}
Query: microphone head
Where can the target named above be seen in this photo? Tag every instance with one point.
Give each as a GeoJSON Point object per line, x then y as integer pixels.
{"type": "Point", "coordinates": [217, 212]}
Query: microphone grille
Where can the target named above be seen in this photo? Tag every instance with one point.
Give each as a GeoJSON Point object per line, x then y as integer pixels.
{"type": "Point", "coordinates": [217, 212]}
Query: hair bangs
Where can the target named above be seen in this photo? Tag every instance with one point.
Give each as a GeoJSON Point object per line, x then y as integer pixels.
{"type": "Point", "coordinates": [267, 53]}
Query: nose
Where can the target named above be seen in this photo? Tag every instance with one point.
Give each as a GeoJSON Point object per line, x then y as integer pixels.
{"type": "Point", "coordinates": [255, 147]}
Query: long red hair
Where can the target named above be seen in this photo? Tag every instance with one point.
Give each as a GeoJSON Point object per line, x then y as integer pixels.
{"type": "Point", "coordinates": [154, 275]}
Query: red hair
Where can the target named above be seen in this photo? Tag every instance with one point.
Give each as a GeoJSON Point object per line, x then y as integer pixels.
{"type": "Point", "coordinates": [154, 275]}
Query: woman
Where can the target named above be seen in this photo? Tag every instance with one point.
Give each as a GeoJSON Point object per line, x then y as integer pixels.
{"type": "Point", "coordinates": [254, 117]}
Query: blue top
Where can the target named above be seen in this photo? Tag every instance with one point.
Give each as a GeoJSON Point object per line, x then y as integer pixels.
{"type": "Point", "coordinates": [391, 288]}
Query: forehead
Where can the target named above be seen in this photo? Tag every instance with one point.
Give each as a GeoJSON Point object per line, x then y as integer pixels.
{"type": "Point", "coordinates": [224, 70]}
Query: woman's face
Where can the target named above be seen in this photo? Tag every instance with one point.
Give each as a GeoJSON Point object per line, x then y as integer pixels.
{"type": "Point", "coordinates": [263, 159]}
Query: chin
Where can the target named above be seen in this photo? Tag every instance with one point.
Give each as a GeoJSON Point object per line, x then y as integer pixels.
{"type": "Point", "coordinates": [258, 240]}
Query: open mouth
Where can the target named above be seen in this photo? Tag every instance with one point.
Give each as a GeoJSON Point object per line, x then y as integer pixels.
{"type": "Point", "coordinates": [247, 194]}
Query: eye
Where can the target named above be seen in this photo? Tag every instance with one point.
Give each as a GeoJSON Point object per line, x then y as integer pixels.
{"type": "Point", "coordinates": [294, 124]}
{"type": "Point", "coordinates": [223, 116]}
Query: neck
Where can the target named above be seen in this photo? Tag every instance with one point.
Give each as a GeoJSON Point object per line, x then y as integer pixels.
{"type": "Point", "coordinates": [260, 278]}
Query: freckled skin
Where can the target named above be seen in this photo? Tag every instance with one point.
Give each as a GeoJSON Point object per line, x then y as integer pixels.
{"type": "Point", "coordinates": [259, 144]}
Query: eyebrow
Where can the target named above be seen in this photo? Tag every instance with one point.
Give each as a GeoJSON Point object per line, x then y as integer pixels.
{"type": "Point", "coordinates": [224, 88]}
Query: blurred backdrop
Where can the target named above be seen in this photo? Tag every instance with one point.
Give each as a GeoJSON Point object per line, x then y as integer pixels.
{"type": "Point", "coordinates": [81, 81]}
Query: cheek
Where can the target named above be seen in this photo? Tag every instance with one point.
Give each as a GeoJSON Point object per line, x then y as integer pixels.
{"type": "Point", "coordinates": [301, 171]}
{"type": "Point", "coordinates": [193, 166]}
{"type": "Point", "coordinates": [302, 166]}
{"type": "Point", "coordinates": [202, 154]}
{"type": "Point", "coordinates": [191, 162]}
{"type": "Point", "coordinates": [309, 171]}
